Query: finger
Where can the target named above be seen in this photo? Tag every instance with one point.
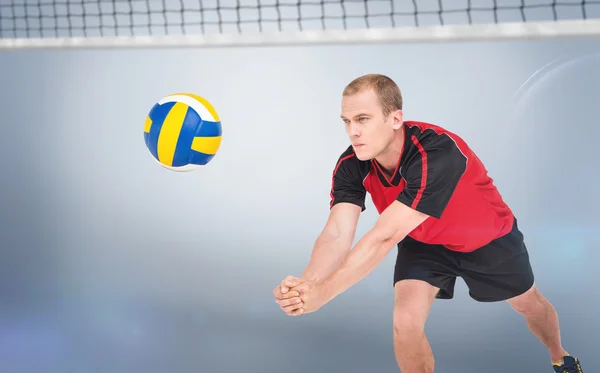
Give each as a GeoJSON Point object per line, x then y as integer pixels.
{"type": "Point", "coordinates": [289, 301]}
{"type": "Point", "coordinates": [292, 308]}
{"type": "Point", "coordinates": [290, 294]}
{"type": "Point", "coordinates": [301, 288]}
{"type": "Point", "coordinates": [296, 312]}
{"type": "Point", "coordinates": [290, 282]}
{"type": "Point", "coordinates": [277, 291]}
{"type": "Point", "coordinates": [280, 295]}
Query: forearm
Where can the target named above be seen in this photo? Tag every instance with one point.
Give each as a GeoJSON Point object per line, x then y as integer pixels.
{"type": "Point", "coordinates": [328, 253]}
{"type": "Point", "coordinates": [360, 261]}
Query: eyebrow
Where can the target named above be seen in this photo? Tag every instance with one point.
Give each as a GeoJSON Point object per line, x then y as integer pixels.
{"type": "Point", "coordinates": [357, 115]}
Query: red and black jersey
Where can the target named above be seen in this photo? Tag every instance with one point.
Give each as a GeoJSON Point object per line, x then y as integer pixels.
{"type": "Point", "coordinates": [437, 174]}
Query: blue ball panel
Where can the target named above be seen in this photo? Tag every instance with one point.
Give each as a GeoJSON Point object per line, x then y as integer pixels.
{"type": "Point", "coordinates": [147, 139]}
{"type": "Point", "coordinates": [209, 129]}
{"type": "Point", "coordinates": [186, 136]}
{"type": "Point", "coordinates": [158, 114]}
{"type": "Point", "coordinates": [200, 158]}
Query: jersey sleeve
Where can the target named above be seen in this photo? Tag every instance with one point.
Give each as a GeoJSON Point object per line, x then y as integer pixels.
{"type": "Point", "coordinates": [433, 175]}
{"type": "Point", "coordinates": [347, 181]}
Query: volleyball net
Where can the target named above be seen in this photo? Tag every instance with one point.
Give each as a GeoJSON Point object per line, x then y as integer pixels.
{"type": "Point", "coordinates": [206, 23]}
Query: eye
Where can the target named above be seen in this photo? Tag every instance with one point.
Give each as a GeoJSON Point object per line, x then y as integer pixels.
{"type": "Point", "coordinates": [362, 119]}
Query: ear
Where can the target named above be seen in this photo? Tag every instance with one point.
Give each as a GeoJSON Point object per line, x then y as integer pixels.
{"type": "Point", "coordinates": [398, 119]}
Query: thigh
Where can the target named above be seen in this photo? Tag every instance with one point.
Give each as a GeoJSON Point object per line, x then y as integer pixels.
{"type": "Point", "coordinates": [500, 270]}
{"type": "Point", "coordinates": [432, 264]}
{"type": "Point", "coordinates": [412, 303]}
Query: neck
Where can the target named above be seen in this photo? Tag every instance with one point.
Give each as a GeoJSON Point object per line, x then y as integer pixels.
{"type": "Point", "coordinates": [389, 158]}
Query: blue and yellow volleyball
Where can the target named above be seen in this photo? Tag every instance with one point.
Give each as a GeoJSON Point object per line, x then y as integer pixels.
{"type": "Point", "coordinates": [183, 132]}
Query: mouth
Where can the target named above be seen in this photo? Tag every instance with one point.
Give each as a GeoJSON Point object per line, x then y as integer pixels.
{"type": "Point", "coordinates": [358, 145]}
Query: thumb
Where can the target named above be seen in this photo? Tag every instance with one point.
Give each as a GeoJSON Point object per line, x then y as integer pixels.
{"type": "Point", "coordinates": [289, 282]}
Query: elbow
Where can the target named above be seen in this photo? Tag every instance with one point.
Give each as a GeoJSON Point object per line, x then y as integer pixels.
{"type": "Point", "coordinates": [334, 232]}
{"type": "Point", "coordinates": [331, 233]}
{"type": "Point", "coordinates": [387, 239]}
{"type": "Point", "coordinates": [397, 236]}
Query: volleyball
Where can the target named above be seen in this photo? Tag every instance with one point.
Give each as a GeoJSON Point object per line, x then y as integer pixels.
{"type": "Point", "coordinates": [182, 132]}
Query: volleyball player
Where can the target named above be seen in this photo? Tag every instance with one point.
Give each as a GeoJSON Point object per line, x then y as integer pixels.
{"type": "Point", "coordinates": [438, 205]}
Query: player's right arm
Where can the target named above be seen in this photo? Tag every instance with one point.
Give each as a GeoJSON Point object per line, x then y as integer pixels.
{"type": "Point", "coordinates": [329, 251]}
{"type": "Point", "coordinates": [346, 204]}
{"type": "Point", "coordinates": [335, 240]}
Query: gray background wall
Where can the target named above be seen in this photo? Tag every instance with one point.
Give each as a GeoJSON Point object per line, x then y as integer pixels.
{"type": "Point", "coordinates": [111, 263]}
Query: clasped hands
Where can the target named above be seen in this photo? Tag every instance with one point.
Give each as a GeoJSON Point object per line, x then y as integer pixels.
{"type": "Point", "coordinates": [297, 296]}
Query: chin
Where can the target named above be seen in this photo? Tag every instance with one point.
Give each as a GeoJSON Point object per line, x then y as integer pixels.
{"type": "Point", "coordinates": [363, 155]}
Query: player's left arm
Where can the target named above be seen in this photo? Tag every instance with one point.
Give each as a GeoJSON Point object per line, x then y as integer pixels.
{"type": "Point", "coordinates": [431, 181]}
{"type": "Point", "coordinates": [392, 226]}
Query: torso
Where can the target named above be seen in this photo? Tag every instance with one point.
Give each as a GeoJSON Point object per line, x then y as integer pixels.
{"type": "Point", "coordinates": [469, 217]}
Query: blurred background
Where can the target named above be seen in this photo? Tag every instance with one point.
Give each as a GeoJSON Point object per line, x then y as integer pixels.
{"type": "Point", "coordinates": [111, 263]}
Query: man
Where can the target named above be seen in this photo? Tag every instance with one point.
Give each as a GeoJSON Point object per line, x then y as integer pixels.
{"type": "Point", "coordinates": [439, 206]}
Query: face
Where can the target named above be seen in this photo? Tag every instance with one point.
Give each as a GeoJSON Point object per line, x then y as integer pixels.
{"type": "Point", "coordinates": [370, 132]}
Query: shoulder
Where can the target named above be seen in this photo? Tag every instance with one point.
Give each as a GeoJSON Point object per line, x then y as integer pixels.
{"type": "Point", "coordinates": [347, 179]}
{"type": "Point", "coordinates": [431, 135]}
{"type": "Point", "coordinates": [433, 151]}
{"type": "Point", "coordinates": [434, 166]}
{"type": "Point", "coordinates": [436, 143]}
{"type": "Point", "coordinates": [349, 165]}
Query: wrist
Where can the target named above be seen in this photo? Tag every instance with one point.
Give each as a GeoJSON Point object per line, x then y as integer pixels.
{"type": "Point", "coordinates": [327, 288]}
{"type": "Point", "coordinates": [312, 277]}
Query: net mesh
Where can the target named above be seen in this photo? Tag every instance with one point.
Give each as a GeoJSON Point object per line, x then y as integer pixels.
{"type": "Point", "coordinates": [106, 18]}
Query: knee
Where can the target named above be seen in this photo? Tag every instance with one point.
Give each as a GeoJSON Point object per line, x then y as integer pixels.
{"type": "Point", "coordinates": [407, 326]}
{"type": "Point", "coordinates": [528, 303]}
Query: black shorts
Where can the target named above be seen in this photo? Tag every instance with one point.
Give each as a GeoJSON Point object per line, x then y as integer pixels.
{"type": "Point", "coordinates": [495, 272]}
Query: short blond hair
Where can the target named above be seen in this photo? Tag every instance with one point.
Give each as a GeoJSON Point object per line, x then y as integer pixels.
{"type": "Point", "coordinates": [385, 88]}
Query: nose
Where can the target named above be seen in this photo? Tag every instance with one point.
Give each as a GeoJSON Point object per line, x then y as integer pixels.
{"type": "Point", "coordinates": [353, 130]}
